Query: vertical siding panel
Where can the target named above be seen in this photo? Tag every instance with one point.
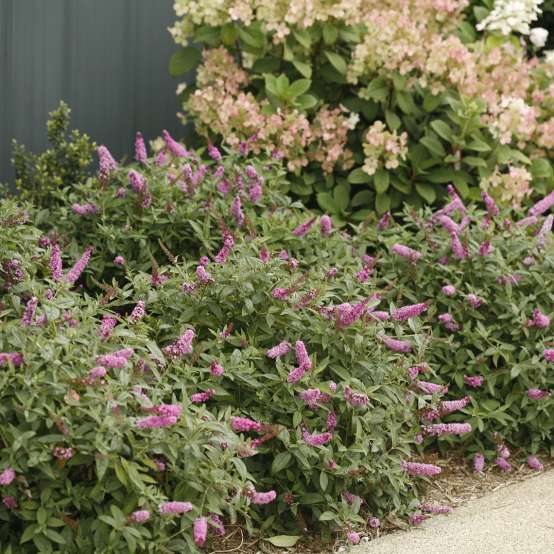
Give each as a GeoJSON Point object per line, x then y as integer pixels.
{"type": "Point", "coordinates": [107, 59]}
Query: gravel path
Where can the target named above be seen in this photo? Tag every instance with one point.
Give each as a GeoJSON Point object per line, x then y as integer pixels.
{"type": "Point", "coordinates": [518, 519]}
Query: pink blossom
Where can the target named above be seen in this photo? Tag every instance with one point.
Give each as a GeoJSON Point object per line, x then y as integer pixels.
{"type": "Point", "coordinates": [331, 421]}
{"type": "Point", "coordinates": [450, 225]}
{"type": "Point", "coordinates": [316, 439]}
{"type": "Point", "coordinates": [75, 272]}
{"type": "Point", "coordinates": [261, 497]}
{"type": "Point", "coordinates": [244, 425]}
{"type": "Point", "coordinates": [449, 290]}
{"type": "Point", "coordinates": [296, 374]}
{"type": "Point", "coordinates": [169, 410]}
{"type": "Point", "coordinates": [200, 529]}
{"type": "Point", "coordinates": [265, 256]}
{"type": "Point", "coordinates": [503, 464]}
{"type": "Point", "coordinates": [537, 394]}
{"type": "Point", "coordinates": [140, 516]}
{"type": "Point", "coordinates": [545, 231]}
{"type": "Point", "coordinates": [364, 274]}
{"type": "Point", "coordinates": [255, 192]}
{"type": "Point", "coordinates": [539, 320]}
{"type": "Point", "coordinates": [440, 429]}
{"type": "Point", "coordinates": [449, 406]}
{"type": "Point", "coordinates": [431, 388]}
{"type": "Point", "coordinates": [107, 163]}
{"type": "Point", "coordinates": [11, 357]}
{"type": "Point", "coordinates": [415, 468]}
{"type": "Point", "coordinates": [236, 211]}
{"type": "Point", "coordinates": [374, 522]}
{"type": "Point", "coordinates": [325, 225]}
{"type": "Point", "coordinates": [10, 502]}
{"type": "Point", "coordinates": [85, 209]}
{"type": "Point", "coordinates": [435, 508]}
{"type": "Point", "coordinates": [478, 463]}
{"type": "Point", "coordinates": [492, 208]}
{"type": "Point", "coordinates": [395, 345]}
{"type": "Point", "coordinates": [303, 228]}
{"type": "Point", "coordinates": [175, 507]}
{"type": "Point", "coordinates": [62, 453]}
{"type": "Point", "coordinates": [154, 422]}
{"type": "Point", "coordinates": [486, 248]}
{"type": "Point", "coordinates": [313, 397]}
{"type": "Point", "coordinates": [140, 149]}
{"type": "Point", "coordinates": [355, 398]}
{"type": "Point", "coordinates": [214, 153]}
{"type": "Point", "coordinates": [119, 260]}
{"type": "Point", "coordinates": [216, 370]}
{"type": "Point", "coordinates": [534, 463]}
{"type": "Point", "coordinates": [448, 321]}
{"type": "Point", "coordinates": [417, 519]}
{"type": "Point", "coordinates": [216, 522]}
{"type": "Point", "coordinates": [203, 276]}
{"type": "Point", "coordinates": [302, 357]}
{"type": "Point", "coordinates": [353, 537]}
{"type": "Point", "coordinates": [56, 263]}
{"type": "Point", "coordinates": [406, 252]}
{"type": "Point", "coordinates": [474, 300]}
{"type": "Point", "coordinates": [200, 397]}
{"type": "Point", "coordinates": [29, 312]}
{"type": "Point", "coordinates": [173, 146]}
{"type": "Point", "coordinates": [96, 373]}
{"type": "Point", "coordinates": [138, 312]}
{"type": "Point", "coordinates": [407, 312]}
{"type": "Point", "coordinates": [181, 347]}
{"type": "Point", "coordinates": [384, 222]}
{"type": "Point", "coordinates": [543, 205]}
{"type": "Point", "coordinates": [549, 354]}
{"type": "Point", "coordinates": [107, 326]}
{"type": "Point", "coordinates": [473, 381]}
{"type": "Point", "coordinates": [380, 315]}
{"type": "Point", "coordinates": [527, 221]}
{"type": "Point", "coordinates": [280, 350]}
{"type": "Point", "coordinates": [228, 243]}
{"type": "Point", "coordinates": [458, 249]}
{"type": "Point", "coordinates": [7, 476]}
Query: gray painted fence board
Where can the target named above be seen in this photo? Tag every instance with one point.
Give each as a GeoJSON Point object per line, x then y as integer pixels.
{"type": "Point", "coordinates": [106, 58]}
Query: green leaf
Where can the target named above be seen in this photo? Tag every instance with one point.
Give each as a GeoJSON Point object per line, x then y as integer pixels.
{"type": "Point", "coordinates": [54, 536]}
{"type": "Point", "coordinates": [337, 61]}
{"type": "Point", "coordinates": [266, 65]}
{"type": "Point", "coordinates": [382, 203]}
{"type": "Point", "coordinates": [341, 197]}
{"type": "Point", "coordinates": [541, 168]}
{"type": "Point", "coordinates": [433, 145]}
{"type": "Point", "coordinates": [298, 88]}
{"type": "Point", "coordinates": [229, 34]}
{"type": "Point", "coordinates": [184, 60]}
{"type": "Point", "coordinates": [381, 180]}
{"type": "Point", "coordinates": [305, 69]}
{"type": "Point", "coordinates": [427, 192]}
{"type": "Point", "coordinates": [378, 90]}
{"type": "Point", "coordinates": [441, 175]}
{"type": "Point", "coordinates": [306, 101]}
{"type": "Point", "coordinates": [358, 176]}
{"type": "Point", "coordinates": [280, 462]}
{"type": "Point", "coordinates": [361, 198]}
{"type": "Point", "coordinates": [393, 121]}
{"type": "Point", "coordinates": [29, 532]}
{"type": "Point", "coordinates": [252, 37]}
{"type": "Point", "coordinates": [323, 480]}
{"type": "Point", "coordinates": [330, 33]}
{"type": "Point", "coordinates": [473, 161]}
{"type": "Point", "coordinates": [442, 129]}
{"type": "Point", "coordinates": [431, 102]}
{"type": "Point", "coordinates": [478, 146]}
{"type": "Point", "coordinates": [326, 203]}
{"type": "Point", "coordinates": [303, 38]}
{"type": "Point", "coordinates": [283, 541]}
{"type": "Point", "coordinates": [327, 516]}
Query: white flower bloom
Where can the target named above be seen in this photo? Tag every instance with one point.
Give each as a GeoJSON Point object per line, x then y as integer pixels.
{"type": "Point", "coordinates": [549, 57]}
{"type": "Point", "coordinates": [511, 15]}
{"type": "Point", "coordinates": [538, 36]}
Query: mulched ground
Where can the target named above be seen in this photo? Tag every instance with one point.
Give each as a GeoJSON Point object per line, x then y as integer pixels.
{"type": "Point", "coordinates": [456, 485]}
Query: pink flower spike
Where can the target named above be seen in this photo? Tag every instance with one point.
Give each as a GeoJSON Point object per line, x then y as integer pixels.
{"type": "Point", "coordinates": [7, 476]}
{"type": "Point", "coordinates": [542, 206]}
{"type": "Point", "coordinates": [316, 439]}
{"type": "Point", "coordinates": [406, 252]}
{"type": "Point", "coordinates": [29, 312]}
{"type": "Point", "coordinates": [353, 537]}
{"type": "Point", "coordinates": [539, 320]}
{"type": "Point", "coordinates": [107, 164]}
{"type": "Point", "coordinates": [181, 347]}
{"type": "Point", "coordinates": [75, 272]}
{"type": "Point", "coordinates": [374, 522]}
{"type": "Point", "coordinates": [200, 529]}
{"type": "Point", "coordinates": [435, 508]}
{"type": "Point", "coordinates": [10, 502]}
{"type": "Point", "coordinates": [534, 463]}
{"type": "Point", "coordinates": [303, 228]}
{"type": "Point", "coordinates": [478, 463]}
{"type": "Point", "coordinates": [473, 381]}
{"type": "Point", "coordinates": [201, 397]}
{"type": "Point", "coordinates": [415, 468]}
{"type": "Point", "coordinates": [138, 312]}
{"type": "Point", "coordinates": [262, 497]}
{"type": "Point", "coordinates": [407, 312]}
{"type": "Point", "coordinates": [244, 425]}
{"type": "Point", "coordinates": [173, 146]}
{"type": "Point", "coordinates": [175, 508]}
{"type": "Point", "coordinates": [140, 516]}
{"type": "Point", "coordinates": [441, 429]}
{"type": "Point", "coordinates": [549, 354]}
{"type": "Point", "coordinates": [280, 350]}
{"type": "Point", "coordinates": [216, 369]}
{"type": "Point", "coordinates": [449, 290]}
{"type": "Point", "coordinates": [503, 464]}
{"type": "Point", "coordinates": [537, 394]}
{"type": "Point", "coordinates": [140, 149]}
{"type": "Point", "coordinates": [325, 225]}
{"type": "Point", "coordinates": [417, 519]}
{"type": "Point", "coordinates": [302, 357]}
{"type": "Point", "coordinates": [56, 263]}
{"type": "Point", "coordinates": [395, 345]}
{"type": "Point", "coordinates": [431, 388]}
{"type": "Point", "coordinates": [119, 260]}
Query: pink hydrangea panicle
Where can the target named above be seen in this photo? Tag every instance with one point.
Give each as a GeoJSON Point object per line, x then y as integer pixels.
{"type": "Point", "coordinates": [407, 312]}
{"type": "Point", "coordinates": [6, 477]}
{"type": "Point", "coordinates": [503, 464]}
{"type": "Point", "coordinates": [534, 463]}
{"type": "Point", "coordinates": [406, 252]}
{"type": "Point", "coordinates": [549, 354]}
{"type": "Point", "coordinates": [56, 263]}
{"type": "Point", "coordinates": [325, 225]}
{"type": "Point", "coordinates": [473, 381]}
{"type": "Point", "coordinates": [537, 394]}
{"type": "Point", "coordinates": [316, 439]}
{"type": "Point", "coordinates": [539, 320]}
{"type": "Point", "coordinates": [353, 537]}
{"type": "Point", "coordinates": [141, 155]}
{"type": "Point", "coordinates": [244, 425]}
{"type": "Point", "coordinates": [140, 516]}
{"type": "Point", "coordinates": [261, 497]}
{"type": "Point", "coordinates": [171, 508]}
{"type": "Point", "coordinates": [434, 508]}
{"type": "Point", "coordinates": [29, 312]}
{"type": "Point", "coordinates": [75, 272]}
{"type": "Point", "coordinates": [279, 350]}
{"type": "Point", "coordinates": [200, 529]}
{"type": "Point", "coordinates": [478, 463]}
{"type": "Point", "coordinates": [200, 397]}
{"type": "Point", "coordinates": [107, 164]}
{"type": "Point", "coordinates": [178, 150]}
{"type": "Point", "coordinates": [181, 347]}
{"type": "Point", "coordinates": [395, 345]}
{"type": "Point", "coordinates": [449, 290]}
{"type": "Point", "coordinates": [543, 205]}
{"type": "Point", "coordinates": [10, 502]}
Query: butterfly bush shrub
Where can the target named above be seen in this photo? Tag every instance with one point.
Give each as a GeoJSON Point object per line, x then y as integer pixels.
{"type": "Point", "coordinates": [372, 103]}
{"type": "Point", "coordinates": [486, 277]}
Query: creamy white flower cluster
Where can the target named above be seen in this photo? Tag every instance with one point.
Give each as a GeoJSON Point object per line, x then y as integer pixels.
{"type": "Point", "coordinates": [511, 15]}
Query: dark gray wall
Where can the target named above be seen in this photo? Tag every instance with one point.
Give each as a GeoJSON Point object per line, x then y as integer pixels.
{"type": "Point", "coordinates": [106, 58]}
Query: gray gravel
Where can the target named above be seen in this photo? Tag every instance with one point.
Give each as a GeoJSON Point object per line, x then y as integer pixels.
{"type": "Point", "coordinates": [518, 519]}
